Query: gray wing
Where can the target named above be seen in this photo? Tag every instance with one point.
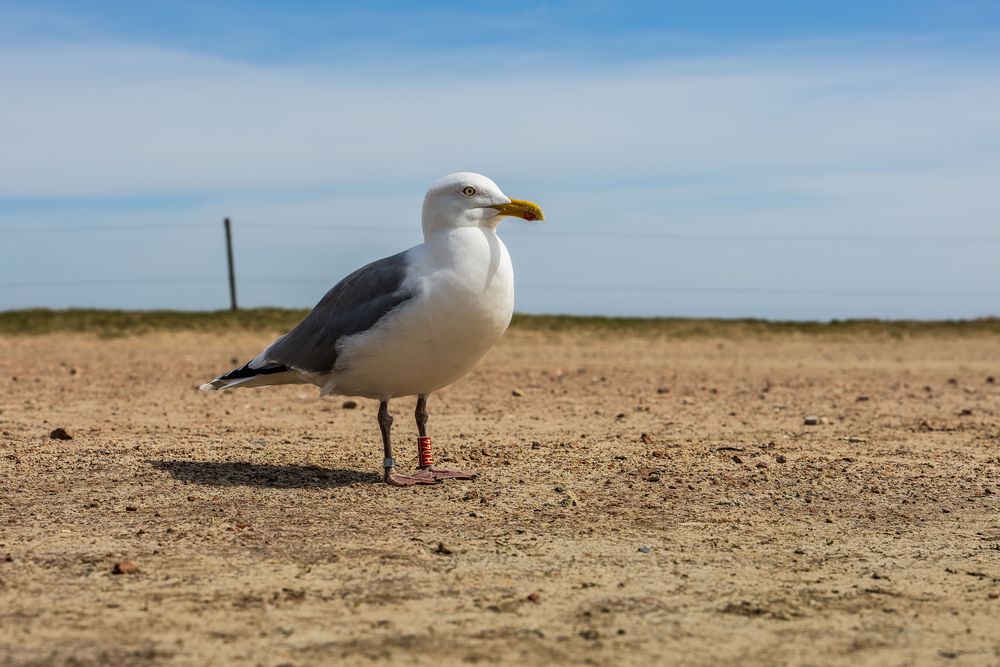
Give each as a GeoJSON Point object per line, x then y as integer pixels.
{"type": "Point", "coordinates": [353, 305]}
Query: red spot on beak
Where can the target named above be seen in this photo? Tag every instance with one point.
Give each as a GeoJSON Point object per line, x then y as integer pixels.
{"type": "Point", "coordinates": [527, 215]}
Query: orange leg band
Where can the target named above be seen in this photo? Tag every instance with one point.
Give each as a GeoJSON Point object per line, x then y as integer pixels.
{"type": "Point", "coordinates": [424, 453]}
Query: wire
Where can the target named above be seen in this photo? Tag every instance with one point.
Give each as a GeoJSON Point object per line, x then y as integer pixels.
{"type": "Point", "coordinates": [96, 228]}
{"type": "Point", "coordinates": [665, 236]}
{"type": "Point", "coordinates": [765, 238]}
{"type": "Point", "coordinates": [758, 290]}
{"type": "Point", "coordinates": [562, 235]}
{"type": "Point", "coordinates": [695, 290]}
{"type": "Point", "coordinates": [363, 229]}
{"type": "Point", "coordinates": [656, 289]}
{"type": "Point", "coordinates": [110, 281]}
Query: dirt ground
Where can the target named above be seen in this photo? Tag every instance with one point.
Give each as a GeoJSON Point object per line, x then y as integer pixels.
{"type": "Point", "coordinates": [642, 500]}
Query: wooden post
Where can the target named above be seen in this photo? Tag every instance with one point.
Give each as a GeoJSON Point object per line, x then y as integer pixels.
{"type": "Point", "coordinates": [232, 272]}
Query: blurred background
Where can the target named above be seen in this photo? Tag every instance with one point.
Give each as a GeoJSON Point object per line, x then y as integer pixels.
{"type": "Point", "coordinates": [773, 159]}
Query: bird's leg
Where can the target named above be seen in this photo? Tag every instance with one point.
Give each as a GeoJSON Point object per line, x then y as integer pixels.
{"type": "Point", "coordinates": [424, 456]}
{"type": "Point", "coordinates": [388, 465]}
{"type": "Point", "coordinates": [421, 415]}
{"type": "Point", "coordinates": [425, 459]}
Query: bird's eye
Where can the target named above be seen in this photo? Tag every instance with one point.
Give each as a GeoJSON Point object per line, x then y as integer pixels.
{"type": "Point", "coordinates": [468, 191]}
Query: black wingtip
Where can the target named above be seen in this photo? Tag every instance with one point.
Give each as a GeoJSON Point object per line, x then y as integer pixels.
{"type": "Point", "coordinates": [245, 371]}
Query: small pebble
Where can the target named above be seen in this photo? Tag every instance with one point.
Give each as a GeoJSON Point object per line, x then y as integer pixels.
{"type": "Point", "coordinates": [60, 434]}
{"type": "Point", "coordinates": [737, 459]}
{"type": "Point", "coordinates": [646, 550]}
{"type": "Point", "coordinates": [862, 398]}
{"type": "Point", "coordinates": [125, 567]}
{"type": "Point", "coordinates": [442, 549]}
{"type": "Point", "coordinates": [811, 421]}
{"type": "Point", "coordinates": [569, 501]}
{"type": "Point", "coordinates": [517, 393]}
{"type": "Point", "coordinates": [761, 464]}
{"type": "Point", "coordinates": [131, 508]}
{"type": "Point", "coordinates": [780, 458]}
{"type": "Point", "coordinates": [349, 405]}
{"type": "Point", "coordinates": [663, 390]}
{"type": "Point", "coordinates": [534, 597]}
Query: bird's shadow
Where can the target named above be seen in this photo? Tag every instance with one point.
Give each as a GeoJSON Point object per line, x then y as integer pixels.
{"type": "Point", "coordinates": [238, 473]}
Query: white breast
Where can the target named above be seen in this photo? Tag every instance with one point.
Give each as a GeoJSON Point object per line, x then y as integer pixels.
{"type": "Point", "coordinates": [464, 283]}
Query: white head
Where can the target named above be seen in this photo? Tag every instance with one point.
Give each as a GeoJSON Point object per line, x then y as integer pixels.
{"type": "Point", "coordinates": [467, 199]}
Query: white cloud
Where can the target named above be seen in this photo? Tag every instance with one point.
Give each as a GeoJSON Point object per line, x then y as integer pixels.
{"type": "Point", "coordinates": [121, 120]}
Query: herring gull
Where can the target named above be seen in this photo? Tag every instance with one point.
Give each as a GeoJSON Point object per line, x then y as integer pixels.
{"type": "Point", "coordinates": [408, 324]}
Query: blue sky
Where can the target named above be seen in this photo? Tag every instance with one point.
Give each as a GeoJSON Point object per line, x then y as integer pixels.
{"type": "Point", "coordinates": [771, 159]}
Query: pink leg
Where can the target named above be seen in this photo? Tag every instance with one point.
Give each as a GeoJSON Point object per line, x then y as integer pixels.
{"type": "Point", "coordinates": [391, 477]}
{"type": "Point", "coordinates": [419, 477]}
{"type": "Point", "coordinates": [426, 460]}
{"type": "Point", "coordinates": [446, 473]}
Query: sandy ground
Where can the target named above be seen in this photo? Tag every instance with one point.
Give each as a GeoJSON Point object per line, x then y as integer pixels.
{"type": "Point", "coordinates": [643, 501]}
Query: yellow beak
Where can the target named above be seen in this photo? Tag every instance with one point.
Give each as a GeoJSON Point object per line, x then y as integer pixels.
{"type": "Point", "coordinates": [521, 209]}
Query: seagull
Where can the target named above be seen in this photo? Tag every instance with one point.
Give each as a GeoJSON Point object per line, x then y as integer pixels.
{"type": "Point", "coordinates": [408, 324]}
